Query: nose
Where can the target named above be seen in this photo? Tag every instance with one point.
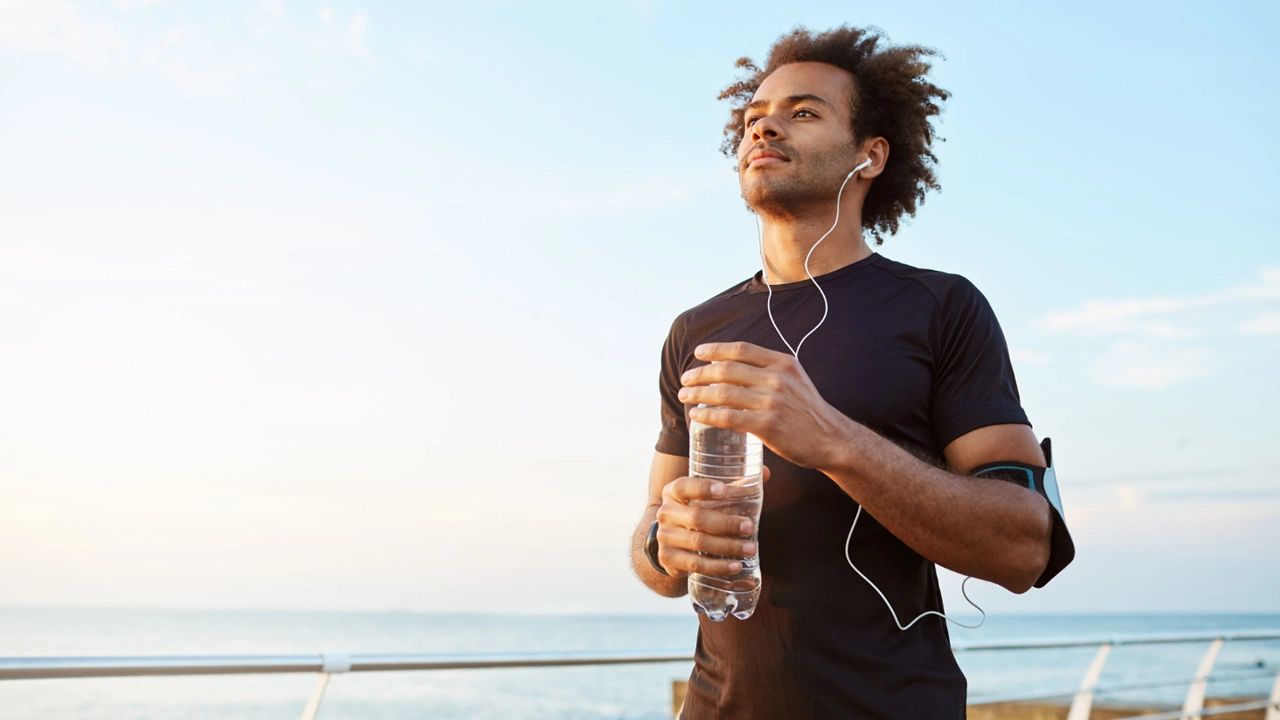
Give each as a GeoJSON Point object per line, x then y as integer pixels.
{"type": "Point", "coordinates": [766, 127]}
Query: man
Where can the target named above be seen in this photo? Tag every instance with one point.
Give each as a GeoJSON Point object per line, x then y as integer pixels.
{"type": "Point", "coordinates": [909, 364]}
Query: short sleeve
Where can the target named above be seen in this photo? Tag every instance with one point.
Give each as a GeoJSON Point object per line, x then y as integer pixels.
{"type": "Point", "coordinates": [673, 438]}
{"type": "Point", "coordinates": [973, 382]}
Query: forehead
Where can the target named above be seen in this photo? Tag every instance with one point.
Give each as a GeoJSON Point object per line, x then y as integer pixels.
{"type": "Point", "coordinates": [807, 78]}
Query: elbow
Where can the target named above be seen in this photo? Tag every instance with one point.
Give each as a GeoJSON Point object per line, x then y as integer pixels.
{"type": "Point", "coordinates": [1030, 558]}
{"type": "Point", "coordinates": [1027, 569]}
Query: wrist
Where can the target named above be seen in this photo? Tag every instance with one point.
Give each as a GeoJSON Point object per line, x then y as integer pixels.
{"type": "Point", "coordinates": [844, 448]}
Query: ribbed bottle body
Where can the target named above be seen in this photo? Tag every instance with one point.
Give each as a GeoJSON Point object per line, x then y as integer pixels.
{"type": "Point", "coordinates": [737, 460]}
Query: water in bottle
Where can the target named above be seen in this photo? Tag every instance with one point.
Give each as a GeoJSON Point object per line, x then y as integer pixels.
{"type": "Point", "coordinates": [737, 460]}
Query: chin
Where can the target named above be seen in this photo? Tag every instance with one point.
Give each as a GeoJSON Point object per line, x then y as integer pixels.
{"type": "Point", "coordinates": [763, 196]}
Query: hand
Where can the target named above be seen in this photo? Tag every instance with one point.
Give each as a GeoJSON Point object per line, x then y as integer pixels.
{"type": "Point", "coordinates": [685, 530]}
{"type": "Point", "coordinates": [767, 394]}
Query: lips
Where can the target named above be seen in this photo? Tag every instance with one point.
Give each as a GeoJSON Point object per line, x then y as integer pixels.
{"type": "Point", "coordinates": [765, 156]}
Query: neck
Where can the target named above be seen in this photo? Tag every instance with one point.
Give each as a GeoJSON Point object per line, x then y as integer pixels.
{"type": "Point", "coordinates": [787, 240]}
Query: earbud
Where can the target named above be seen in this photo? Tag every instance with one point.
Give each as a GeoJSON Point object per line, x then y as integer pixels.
{"type": "Point", "coordinates": [865, 163]}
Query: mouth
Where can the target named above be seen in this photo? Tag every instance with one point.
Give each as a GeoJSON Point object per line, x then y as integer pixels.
{"type": "Point", "coordinates": [764, 157]}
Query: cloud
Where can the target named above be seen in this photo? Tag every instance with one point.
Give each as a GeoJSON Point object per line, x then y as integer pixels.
{"type": "Point", "coordinates": [350, 36]}
{"type": "Point", "coordinates": [138, 4]}
{"type": "Point", "coordinates": [56, 27]}
{"type": "Point", "coordinates": [1152, 365]}
{"type": "Point", "coordinates": [101, 37]}
{"type": "Point", "coordinates": [1164, 317]}
{"type": "Point", "coordinates": [1159, 342]}
{"type": "Point", "coordinates": [1264, 323]}
{"type": "Point", "coordinates": [329, 32]}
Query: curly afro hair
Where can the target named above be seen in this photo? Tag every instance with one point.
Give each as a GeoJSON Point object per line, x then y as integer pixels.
{"type": "Point", "coordinates": [892, 99]}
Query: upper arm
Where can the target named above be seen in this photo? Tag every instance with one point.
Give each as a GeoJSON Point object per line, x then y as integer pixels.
{"type": "Point", "coordinates": [974, 389]}
{"type": "Point", "coordinates": [993, 443]}
{"type": "Point", "coordinates": [663, 470]}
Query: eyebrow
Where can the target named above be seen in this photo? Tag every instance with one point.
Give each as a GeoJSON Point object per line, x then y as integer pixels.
{"type": "Point", "coordinates": [790, 100]}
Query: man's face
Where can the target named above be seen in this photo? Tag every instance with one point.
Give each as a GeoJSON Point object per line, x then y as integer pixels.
{"type": "Point", "coordinates": [797, 142]}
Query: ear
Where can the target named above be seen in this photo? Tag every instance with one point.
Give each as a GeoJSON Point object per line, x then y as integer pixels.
{"type": "Point", "coordinates": [875, 149]}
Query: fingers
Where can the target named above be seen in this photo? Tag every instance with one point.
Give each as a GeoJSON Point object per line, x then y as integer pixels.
{"type": "Point", "coordinates": [725, 548]}
{"type": "Point", "coordinates": [676, 510]}
{"type": "Point", "coordinates": [728, 418]}
{"type": "Point", "coordinates": [687, 489]}
{"type": "Point", "coordinates": [723, 395]}
{"type": "Point", "coordinates": [679, 515]}
{"type": "Point", "coordinates": [742, 352]}
{"type": "Point", "coordinates": [733, 373]}
{"type": "Point", "coordinates": [676, 560]}
{"type": "Point", "coordinates": [692, 538]}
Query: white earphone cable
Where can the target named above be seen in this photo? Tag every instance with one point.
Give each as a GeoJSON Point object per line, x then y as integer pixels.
{"type": "Point", "coordinates": [795, 352]}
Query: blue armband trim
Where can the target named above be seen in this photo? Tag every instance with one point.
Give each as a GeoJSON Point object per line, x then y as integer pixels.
{"type": "Point", "coordinates": [1044, 482]}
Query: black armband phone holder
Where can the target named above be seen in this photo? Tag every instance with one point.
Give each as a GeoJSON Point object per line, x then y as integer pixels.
{"type": "Point", "coordinates": [1042, 480]}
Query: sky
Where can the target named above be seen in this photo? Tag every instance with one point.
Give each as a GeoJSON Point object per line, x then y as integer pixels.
{"type": "Point", "coordinates": [359, 305]}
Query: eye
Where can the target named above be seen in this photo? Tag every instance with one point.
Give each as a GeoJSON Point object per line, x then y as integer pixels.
{"type": "Point", "coordinates": [809, 112]}
{"type": "Point", "coordinates": [751, 120]}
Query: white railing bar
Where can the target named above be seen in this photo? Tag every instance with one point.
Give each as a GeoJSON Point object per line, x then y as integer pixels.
{"type": "Point", "coordinates": [1039, 644]}
{"type": "Point", "coordinates": [464, 662]}
{"type": "Point", "coordinates": [1082, 703]}
{"type": "Point", "coordinates": [1273, 710]}
{"type": "Point", "coordinates": [21, 668]}
{"type": "Point", "coordinates": [1230, 677]}
{"type": "Point", "coordinates": [1219, 710]}
{"type": "Point", "coordinates": [317, 695]}
{"type": "Point", "coordinates": [18, 668]}
{"type": "Point", "coordinates": [1112, 689]}
{"type": "Point", "coordinates": [1200, 685]}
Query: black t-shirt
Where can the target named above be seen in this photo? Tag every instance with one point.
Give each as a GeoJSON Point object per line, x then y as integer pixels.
{"type": "Point", "coordinates": [916, 355]}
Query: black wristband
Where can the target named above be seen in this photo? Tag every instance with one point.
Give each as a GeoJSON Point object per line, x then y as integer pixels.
{"type": "Point", "coordinates": [651, 548]}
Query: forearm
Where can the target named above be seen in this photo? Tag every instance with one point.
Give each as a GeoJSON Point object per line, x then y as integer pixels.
{"type": "Point", "coordinates": [989, 529]}
{"type": "Point", "coordinates": [665, 585]}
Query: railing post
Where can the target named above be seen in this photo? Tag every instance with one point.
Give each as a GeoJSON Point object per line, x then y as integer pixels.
{"type": "Point", "coordinates": [313, 703]}
{"type": "Point", "coordinates": [329, 663]}
{"type": "Point", "coordinates": [1273, 709]}
{"type": "Point", "coordinates": [1082, 704]}
{"type": "Point", "coordinates": [1195, 694]}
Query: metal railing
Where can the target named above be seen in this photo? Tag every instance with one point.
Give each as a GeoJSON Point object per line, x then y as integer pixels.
{"type": "Point", "coordinates": [327, 664]}
{"type": "Point", "coordinates": [1192, 706]}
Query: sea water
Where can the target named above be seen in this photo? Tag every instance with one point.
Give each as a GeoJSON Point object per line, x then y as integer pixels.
{"type": "Point", "coordinates": [634, 692]}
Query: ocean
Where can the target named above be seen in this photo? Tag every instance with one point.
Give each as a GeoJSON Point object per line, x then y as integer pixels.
{"type": "Point", "coordinates": [634, 692]}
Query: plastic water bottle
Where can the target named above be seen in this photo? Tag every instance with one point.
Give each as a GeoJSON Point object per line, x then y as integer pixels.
{"type": "Point", "coordinates": [737, 460]}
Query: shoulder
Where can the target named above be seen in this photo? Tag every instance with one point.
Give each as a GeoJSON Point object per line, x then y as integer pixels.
{"type": "Point", "coordinates": [947, 289]}
{"type": "Point", "coordinates": [712, 310]}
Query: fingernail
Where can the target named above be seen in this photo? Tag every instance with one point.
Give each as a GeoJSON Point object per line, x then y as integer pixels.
{"type": "Point", "coordinates": [717, 489]}
{"type": "Point", "coordinates": [748, 549]}
{"type": "Point", "coordinates": [746, 526]}
{"type": "Point", "coordinates": [735, 567]}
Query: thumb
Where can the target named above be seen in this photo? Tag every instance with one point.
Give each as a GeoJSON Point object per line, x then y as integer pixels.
{"type": "Point", "coordinates": [764, 476]}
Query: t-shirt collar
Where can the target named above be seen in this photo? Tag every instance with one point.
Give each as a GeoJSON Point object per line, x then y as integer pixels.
{"type": "Point", "coordinates": [757, 280]}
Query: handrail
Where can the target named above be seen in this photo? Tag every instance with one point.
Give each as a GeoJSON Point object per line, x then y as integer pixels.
{"type": "Point", "coordinates": [30, 668]}
{"type": "Point", "coordinates": [1113, 689]}
{"type": "Point", "coordinates": [326, 664]}
{"type": "Point", "coordinates": [1149, 639]}
{"type": "Point", "coordinates": [34, 668]}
